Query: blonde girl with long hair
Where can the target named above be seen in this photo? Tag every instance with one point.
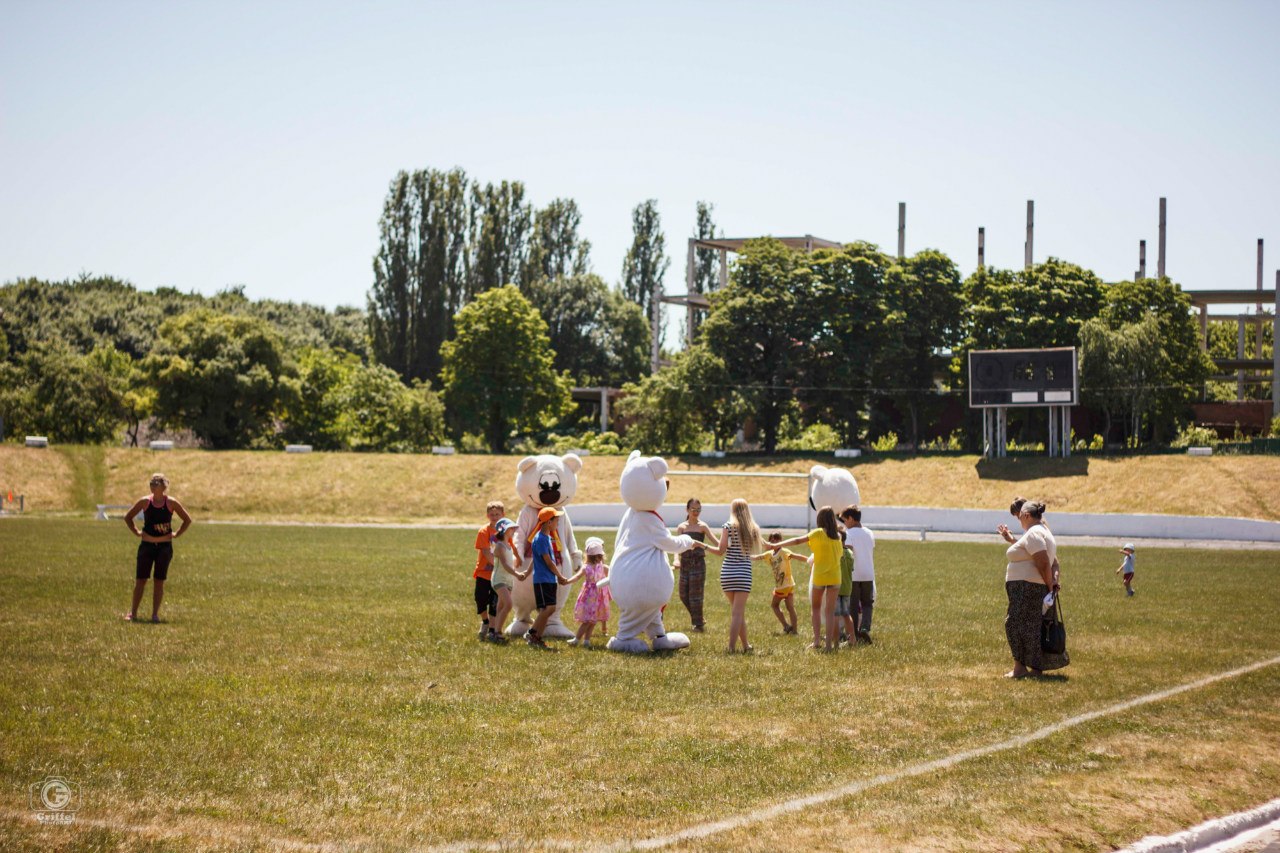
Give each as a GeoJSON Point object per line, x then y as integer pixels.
{"type": "Point", "coordinates": [741, 538]}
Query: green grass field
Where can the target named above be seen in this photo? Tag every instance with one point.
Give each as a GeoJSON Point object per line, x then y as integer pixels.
{"type": "Point", "coordinates": [325, 685]}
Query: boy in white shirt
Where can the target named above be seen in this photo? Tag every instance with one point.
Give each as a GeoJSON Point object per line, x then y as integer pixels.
{"type": "Point", "coordinates": [1127, 566]}
{"type": "Point", "coordinates": [862, 542]}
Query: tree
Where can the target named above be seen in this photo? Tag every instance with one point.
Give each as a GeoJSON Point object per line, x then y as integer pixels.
{"type": "Point", "coordinates": [500, 246]}
{"type": "Point", "coordinates": [1120, 369]}
{"type": "Point", "coordinates": [220, 375]}
{"type": "Point", "coordinates": [672, 410]}
{"type": "Point", "coordinates": [314, 412]}
{"type": "Point", "coordinates": [376, 411]}
{"type": "Point", "coordinates": [922, 326]}
{"type": "Point", "coordinates": [598, 337]}
{"type": "Point", "coordinates": [849, 293]}
{"type": "Point", "coordinates": [1183, 367]}
{"type": "Point", "coordinates": [50, 389]}
{"type": "Point", "coordinates": [1038, 308]}
{"type": "Point", "coordinates": [646, 262]}
{"type": "Point", "coordinates": [421, 271]}
{"type": "Point", "coordinates": [555, 249]}
{"type": "Point", "coordinates": [499, 370]}
{"type": "Point", "coordinates": [762, 326]}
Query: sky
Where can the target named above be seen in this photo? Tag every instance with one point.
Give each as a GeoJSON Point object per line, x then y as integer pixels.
{"type": "Point", "coordinates": [203, 145]}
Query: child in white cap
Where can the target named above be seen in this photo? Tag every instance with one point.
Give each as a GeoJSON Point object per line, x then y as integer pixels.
{"type": "Point", "coordinates": [1127, 566]}
{"type": "Point", "coordinates": [592, 607]}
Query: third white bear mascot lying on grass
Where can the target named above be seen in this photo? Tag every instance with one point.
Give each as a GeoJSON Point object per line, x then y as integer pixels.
{"type": "Point", "coordinates": [640, 577]}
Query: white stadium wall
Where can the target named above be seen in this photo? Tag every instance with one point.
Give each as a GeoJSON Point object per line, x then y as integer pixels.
{"type": "Point", "coordinates": [967, 521]}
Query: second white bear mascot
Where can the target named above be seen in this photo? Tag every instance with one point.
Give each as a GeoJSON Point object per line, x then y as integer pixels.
{"type": "Point", "coordinates": [640, 578]}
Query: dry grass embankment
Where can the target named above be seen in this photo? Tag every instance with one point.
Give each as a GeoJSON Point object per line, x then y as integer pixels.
{"type": "Point", "coordinates": [259, 485]}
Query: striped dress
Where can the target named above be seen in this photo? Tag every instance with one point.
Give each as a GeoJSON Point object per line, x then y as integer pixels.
{"type": "Point", "coordinates": [735, 572]}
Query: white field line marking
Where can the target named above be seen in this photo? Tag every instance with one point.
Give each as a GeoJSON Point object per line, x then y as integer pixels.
{"type": "Point", "coordinates": [705, 830]}
{"type": "Point", "coordinates": [769, 813]}
{"type": "Point", "coordinates": [1215, 836]}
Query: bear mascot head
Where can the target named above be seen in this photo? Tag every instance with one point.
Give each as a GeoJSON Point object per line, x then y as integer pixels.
{"type": "Point", "coordinates": [833, 487]}
{"type": "Point", "coordinates": [640, 578]}
{"type": "Point", "coordinates": [545, 481]}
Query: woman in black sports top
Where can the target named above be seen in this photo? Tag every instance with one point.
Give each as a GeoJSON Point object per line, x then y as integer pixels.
{"type": "Point", "coordinates": [156, 548]}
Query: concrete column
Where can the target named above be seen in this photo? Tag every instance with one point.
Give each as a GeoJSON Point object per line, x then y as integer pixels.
{"type": "Point", "coordinates": [1142, 259]}
{"type": "Point", "coordinates": [1053, 431]}
{"type": "Point", "coordinates": [1275, 352]}
{"type": "Point", "coordinates": [1240, 321]}
{"type": "Point", "coordinates": [604, 409]}
{"type": "Point", "coordinates": [1029, 246]}
{"type": "Point", "coordinates": [689, 273]}
{"type": "Point", "coordinates": [902, 230]}
{"type": "Point", "coordinates": [1204, 328]}
{"type": "Point", "coordinates": [724, 267]}
{"type": "Point", "coordinates": [1160, 250]}
{"type": "Point", "coordinates": [1066, 431]}
{"type": "Point", "coordinates": [982, 249]}
{"type": "Point", "coordinates": [1257, 341]}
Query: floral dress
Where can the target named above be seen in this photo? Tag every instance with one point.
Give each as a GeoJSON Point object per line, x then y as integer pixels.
{"type": "Point", "coordinates": [593, 602]}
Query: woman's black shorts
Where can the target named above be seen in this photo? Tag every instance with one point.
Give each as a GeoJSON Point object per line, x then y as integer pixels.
{"type": "Point", "coordinates": [158, 554]}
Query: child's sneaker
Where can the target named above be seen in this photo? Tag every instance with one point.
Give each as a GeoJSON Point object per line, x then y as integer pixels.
{"type": "Point", "coordinates": [586, 644]}
{"type": "Point", "coordinates": [534, 640]}
{"type": "Point", "coordinates": [1129, 592]}
{"type": "Point", "coordinates": [574, 641]}
{"type": "Point", "coordinates": [484, 633]}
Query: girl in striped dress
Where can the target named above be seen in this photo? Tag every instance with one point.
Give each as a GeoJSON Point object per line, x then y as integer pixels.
{"type": "Point", "coordinates": [741, 538]}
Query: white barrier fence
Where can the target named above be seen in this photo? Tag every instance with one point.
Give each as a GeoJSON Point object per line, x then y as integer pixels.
{"type": "Point", "coordinates": [928, 519]}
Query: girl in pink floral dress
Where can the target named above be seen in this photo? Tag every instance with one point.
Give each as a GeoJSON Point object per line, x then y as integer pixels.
{"type": "Point", "coordinates": [592, 607]}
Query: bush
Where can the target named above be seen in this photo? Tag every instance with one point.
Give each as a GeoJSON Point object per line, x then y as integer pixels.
{"type": "Point", "coordinates": [1275, 427]}
{"type": "Point", "coordinates": [814, 437]}
{"type": "Point", "coordinates": [1196, 436]}
{"type": "Point", "coordinates": [955, 441]}
{"type": "Point", "coordinates": [886, 443]}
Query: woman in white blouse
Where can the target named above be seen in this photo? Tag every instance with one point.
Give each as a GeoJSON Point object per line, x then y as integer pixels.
{"type": "Point", "coordinates": [1029, 576]}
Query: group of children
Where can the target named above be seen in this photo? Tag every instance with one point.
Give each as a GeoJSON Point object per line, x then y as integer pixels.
{"type": "Point", "coordinates": [842, 586]}
{"type": "Point", "coordinates": [499, 564]}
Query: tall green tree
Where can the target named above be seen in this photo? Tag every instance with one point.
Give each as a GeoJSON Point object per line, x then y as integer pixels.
{"type": "Point", "coordinates": [923, 324]}
{"type": "Point", "coordinates": [555, 248]}
{"type": "Point", "coordinates": [762, 325]}
{"type": "Point", "coordinates": [1182, 367]}
{"type": "Point", "coordinates": [421, 270]}
{"type": "Point", "coordinates": [646, 262]}
{"type": "Point", "coordinates": [1121, 368]}
{"type": "Point", "coordinates": [598, 337]}
{"type": "Point", "coordinates": [1038, 308]}
{"type": "Point", "coordinates": [706, 264]}
{"type": "Point", "coordinates": [848, 298]}
{"type": "Point", "coordinates": [223, 376]}
{"type": "Point", "coordinates": [50, 389]}
{"type": "Point", "coordinates": [500, 246]}
{"type": "Point", "coordinates": [499, 372]}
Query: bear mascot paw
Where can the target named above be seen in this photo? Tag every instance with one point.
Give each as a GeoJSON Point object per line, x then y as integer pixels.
{"type": "Point", "coordinates": [640, 578]}
{"type": "Point", "coordinates": [545, 481]}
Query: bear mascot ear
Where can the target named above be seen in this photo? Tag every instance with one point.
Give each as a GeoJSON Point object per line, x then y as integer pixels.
{"type": "Point", "coordinates": [658, 466]}
{"type": "Point", "coordinates": [526, 463]}
{"type": "Point", "coordinates": [572, 461]}
{"type": "Point", "coordinates": [817, 471]}
{"type": "Point", "coordinates": [635, 454]}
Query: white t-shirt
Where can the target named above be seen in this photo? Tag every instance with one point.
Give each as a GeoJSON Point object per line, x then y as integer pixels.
{"type": "Point", "coordinates": [1022, 566]}
{"type": "Point", "coordinates": [863, 543]}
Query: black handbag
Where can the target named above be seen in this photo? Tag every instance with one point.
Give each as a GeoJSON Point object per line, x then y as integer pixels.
{"type": "Point", "coordinates": [1053, 631]}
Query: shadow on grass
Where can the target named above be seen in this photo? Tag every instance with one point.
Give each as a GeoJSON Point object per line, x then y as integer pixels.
{"type": "Point", "coordinates": [1019, 468]}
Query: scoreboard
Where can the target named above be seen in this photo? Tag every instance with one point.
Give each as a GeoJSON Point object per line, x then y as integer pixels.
{"type": "Point", "coordinates": [1023, 377]}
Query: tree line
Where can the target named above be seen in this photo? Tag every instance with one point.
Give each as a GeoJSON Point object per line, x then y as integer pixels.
{"type": "Point", "coordinates": [484, 312]}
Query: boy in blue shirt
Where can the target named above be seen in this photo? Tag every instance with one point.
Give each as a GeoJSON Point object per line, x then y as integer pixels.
{"type": "Point", "coordinates": [1127, 566]}
{"type": "Point", "coordinates": [545, 551]}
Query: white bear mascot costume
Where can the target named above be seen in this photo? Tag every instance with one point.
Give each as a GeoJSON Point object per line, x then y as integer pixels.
{"type": "Point", "coordinates": [640, 577]}
{"type": "Point", "coordinates": [543, 481]}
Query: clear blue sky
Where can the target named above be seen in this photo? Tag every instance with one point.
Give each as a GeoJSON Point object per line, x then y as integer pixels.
{"type": "Point", "coordinates": [201, 145]}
